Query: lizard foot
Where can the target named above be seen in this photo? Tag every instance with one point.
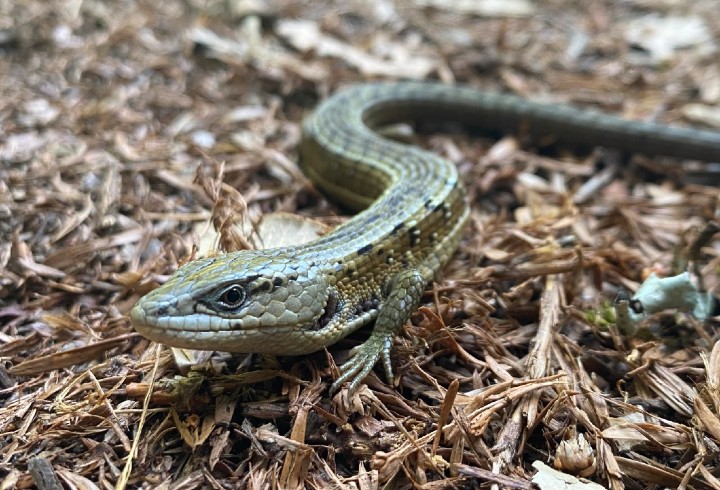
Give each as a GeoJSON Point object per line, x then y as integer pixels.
{"type": "Point", "coordinates": [363, 358]}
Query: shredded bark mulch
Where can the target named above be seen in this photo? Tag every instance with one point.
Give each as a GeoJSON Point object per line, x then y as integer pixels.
{"type": "Point", "coordinates": [134, 132]}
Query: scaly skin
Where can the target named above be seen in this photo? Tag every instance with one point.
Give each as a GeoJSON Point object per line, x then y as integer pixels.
{"type": "Point", "coordinates": [375, 267]}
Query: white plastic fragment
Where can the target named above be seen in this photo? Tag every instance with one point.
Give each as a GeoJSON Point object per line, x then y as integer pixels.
{"type": "Point", "coordinates": [658, 294]}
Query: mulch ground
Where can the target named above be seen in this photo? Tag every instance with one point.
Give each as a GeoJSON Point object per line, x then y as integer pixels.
{"type": "Point", "coordinates": [134, 132]}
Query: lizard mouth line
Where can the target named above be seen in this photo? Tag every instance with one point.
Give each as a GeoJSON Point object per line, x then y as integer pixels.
{"type": "Point", "coordinates": [168, 330]}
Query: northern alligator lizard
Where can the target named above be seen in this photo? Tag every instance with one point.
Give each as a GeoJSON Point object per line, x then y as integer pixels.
{"type": "Point", "coordinates": [375, 267]}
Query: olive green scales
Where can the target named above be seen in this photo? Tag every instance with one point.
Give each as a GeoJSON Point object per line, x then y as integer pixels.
{"type": "Point", "coordinates": [375, 267]}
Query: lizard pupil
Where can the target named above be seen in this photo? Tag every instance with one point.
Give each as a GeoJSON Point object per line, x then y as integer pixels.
{"type": "Point", "coordinates": [233, 296]}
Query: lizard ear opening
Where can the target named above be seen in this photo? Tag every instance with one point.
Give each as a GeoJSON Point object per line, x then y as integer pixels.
{"type": "Point", "coordinates": [332, 305]}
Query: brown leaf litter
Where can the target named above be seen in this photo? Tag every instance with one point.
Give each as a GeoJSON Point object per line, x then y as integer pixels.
{"type": "Point", "coordinates": [131, 129]}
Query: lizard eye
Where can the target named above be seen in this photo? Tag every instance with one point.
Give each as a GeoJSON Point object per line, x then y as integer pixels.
{"type": "Point", "coordinates": [232, 297]}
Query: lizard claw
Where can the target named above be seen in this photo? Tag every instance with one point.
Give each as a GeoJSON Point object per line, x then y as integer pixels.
{"type": "Point", "coordinates": [364, 357]}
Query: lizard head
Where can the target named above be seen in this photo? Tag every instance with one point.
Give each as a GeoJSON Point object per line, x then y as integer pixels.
{"type": "Point", "coordinates": [247, 301]}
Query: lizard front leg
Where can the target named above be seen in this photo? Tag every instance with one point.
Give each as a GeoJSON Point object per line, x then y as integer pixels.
{"type": "Point", "coordinates": [404, 292]}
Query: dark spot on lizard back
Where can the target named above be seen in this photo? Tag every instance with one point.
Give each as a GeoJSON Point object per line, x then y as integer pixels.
{"type": "Point", "coordinates": [365, 249]}
{"type": "Point", "coordinates": [414, 236]}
